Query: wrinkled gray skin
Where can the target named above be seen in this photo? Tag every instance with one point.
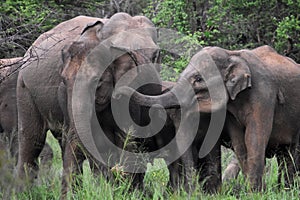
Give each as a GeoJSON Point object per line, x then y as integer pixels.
{"type": "Point", "coordinates": [262, 101]}
{"type": "Point", "coordinates": [8, 109]}
{"type": "Point", "coordinates": [45, 84]}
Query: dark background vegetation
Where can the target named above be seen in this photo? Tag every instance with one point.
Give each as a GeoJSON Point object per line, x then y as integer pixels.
{"type": "Point", "coordinates": [231, 24]}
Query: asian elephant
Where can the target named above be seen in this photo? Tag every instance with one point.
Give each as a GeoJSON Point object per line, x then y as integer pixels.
{"type": "Point", "coordinates": [8, 110]}
{"type": "Point", "coordinates": [76, 52]}
{"type": "Point", "coordinates": [259, 90]}
{"type": "Point", "coordinates": [181, 171]}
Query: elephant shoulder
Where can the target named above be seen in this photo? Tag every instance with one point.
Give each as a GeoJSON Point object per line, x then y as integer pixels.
{"type": "Point", "coordinates": [264, 49]}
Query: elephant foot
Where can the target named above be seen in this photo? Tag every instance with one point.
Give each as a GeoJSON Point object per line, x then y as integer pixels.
{"type": "Point", "coordinates": [212, 185]}
{"type": "Point", "coordinates": [189, 184]}
{"type": "Point", "coordinates": [232, 171]}
{"type": "Point", "coordinates": [256, 186]}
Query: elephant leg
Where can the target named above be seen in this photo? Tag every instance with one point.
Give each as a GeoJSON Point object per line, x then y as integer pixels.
{"type": "Point", "coordinates": [186, 161]}
{"type": "Point", "coordinates": [13, 144]}
{"type": "Point", "coordinates": [72, 162]}
{"type": "Point", "coordinates": [256, 138]}
{"type": "Point", "coordinates": [232, 170]}
{"type": "Point", "coordinates": [255, 164]}
{"type": "Point", "coordinates": [238, 140]}
{"type": "Point", "coordinates": [99, 169]}
{"type": "Point", "coordinates": [210, 170]}
{"type": "Point", "coordinates": [96, 166]}
{"type": "Point", "coordinates": [174, 173]}
{"type": "Point", "coordinates": [31, 134]}
{"type": "Point", "coordinates": [188, 169]}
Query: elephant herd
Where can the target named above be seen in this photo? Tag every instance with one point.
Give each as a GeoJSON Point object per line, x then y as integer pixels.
{"type": "Point", "coordinates": [66, 81]}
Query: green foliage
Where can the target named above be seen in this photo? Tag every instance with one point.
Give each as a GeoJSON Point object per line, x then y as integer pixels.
{"type": "Point", "coordinates": [288, 28]}
{"type": "Point", "coordinates": [231, 24]}
{"type": "Point", "coordinates": [29, 11]}
{"type": "Point", "coordinates": [248, 24]}
{"type": "Point", "coordinates": [157, 178]}
{"type": "Point", "coordinates": [169, 14]}
{"type": "Point", "coordinates": [174, 63]}
{"type": "Point", "coordinates": [174, 15]}
{"type": "Point", "coordinates": [22, 21]}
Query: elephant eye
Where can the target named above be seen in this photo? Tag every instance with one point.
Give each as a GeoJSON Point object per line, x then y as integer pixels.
{"type": "Point", "coordinates": [198, 78]}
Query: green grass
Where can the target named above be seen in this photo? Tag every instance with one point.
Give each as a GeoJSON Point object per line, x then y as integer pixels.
{"type": "Point", "coordinates": [48, 185]}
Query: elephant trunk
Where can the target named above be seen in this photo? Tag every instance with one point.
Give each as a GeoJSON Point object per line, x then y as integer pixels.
{"type": "Point", "coordinates": [167, 100]}
{"type": "Point", "coordinates": [83, 116]}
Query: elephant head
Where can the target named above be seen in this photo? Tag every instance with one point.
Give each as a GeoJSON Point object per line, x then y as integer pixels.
{"type": "Point", "coordinates": [101, 56]}
{"type": "Point", "coordinates": [214, 74]}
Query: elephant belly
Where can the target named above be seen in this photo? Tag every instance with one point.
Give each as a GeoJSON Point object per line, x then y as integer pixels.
{"type": "Point", "coordinates": [283, 132]}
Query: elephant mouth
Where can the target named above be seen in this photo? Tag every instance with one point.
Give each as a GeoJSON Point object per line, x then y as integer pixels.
{"type": "Point", "coordinates": [204, 101]}
{"type": "Point", "coordinates": [203, 96]}
{"type": "Point", "coordinates": [205, 106]}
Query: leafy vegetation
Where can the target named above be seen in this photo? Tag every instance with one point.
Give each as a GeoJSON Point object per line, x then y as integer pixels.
{"type": "Point", "coordinates": [48, 184]}
{"type": "Point", "coordinates": [231, 24]}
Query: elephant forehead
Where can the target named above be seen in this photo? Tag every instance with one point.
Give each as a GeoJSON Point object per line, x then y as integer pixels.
{"type": "Point", "coordinates": [202, 61]}
{"type": "Point", "coordinates": [131, 41]}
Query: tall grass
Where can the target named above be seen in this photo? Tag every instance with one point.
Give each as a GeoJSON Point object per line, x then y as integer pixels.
{"type": "Point", "coordinates": [48, 185]}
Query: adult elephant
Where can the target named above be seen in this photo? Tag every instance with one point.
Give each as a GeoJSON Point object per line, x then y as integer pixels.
{"type": "Point", "coordinates": [72, 53]}
{"type": "Point", "coordinates": [262, 100]}
{"type": "Point", "coordinates": [182, 169]}
{"type": "Point", "coordinates": [8, 109]}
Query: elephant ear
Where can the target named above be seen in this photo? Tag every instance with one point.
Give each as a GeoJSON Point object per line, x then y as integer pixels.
{"type": "Point", "coordinates": [91, 25]}
{"type": "Point", "coordinates": [79, 49]}
{"type": "Point", "coordinates": [237, 76]}
{"type": "Point", "coordinates": [91, 31]}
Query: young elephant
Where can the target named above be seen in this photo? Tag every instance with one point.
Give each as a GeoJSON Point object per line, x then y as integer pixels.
{"type": "Point", "coordinates": [208, 168]}
{"type": "Point", "coordinates": [259, 88]}
{"type": "Point", "coordinates": [8, 109]}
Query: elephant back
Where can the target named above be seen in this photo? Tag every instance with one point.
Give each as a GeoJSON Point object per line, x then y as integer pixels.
{"type": "Point", "coordinates": [8, 67]}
